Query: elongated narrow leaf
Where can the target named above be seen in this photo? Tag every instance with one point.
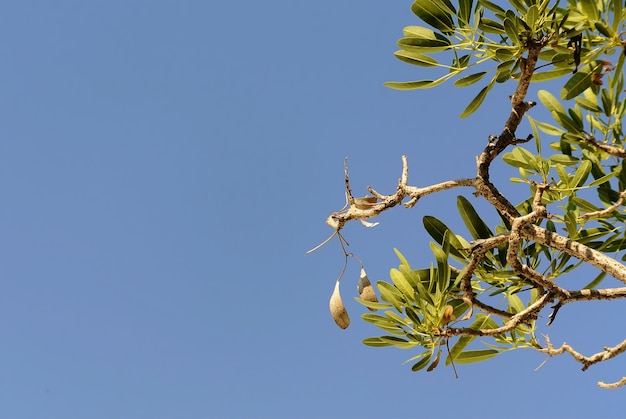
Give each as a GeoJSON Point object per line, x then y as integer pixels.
{"type": "Point", "coordinates": [577, 84]}
{"type": "Point", "coordinates": [550, 102]}
{"type": "Point", "coordinates": [531, 16]}
{"type": "Point", "coordinates": [422, 45]}
{"type": "Point", "coordinates": [421, 364]}
{"type": "Point", "coordinates": [481, 322]}
{"type": "Point", "coordinates": [470, 357]}
{"type": "Point", "coordinates": [490, 26]}
{"type": "Point", "coordinates": [491, 6]}
{"type": "Point", "coordinates": [596, 281]}
{"type": "Point", "coordinates": [415, 58]}
{"type": "Point", "coordinates": [376, 342]}
{"type": "Point", "coordinates": [420, 84]}
{"type": "Point", "coordinates": [421, 32]}
{"type": "Point", "coordinates": [390, 294]}
{"type": "Point", "coordinates": [434, 13]}
{"type": "Point", "coordinates": [476, 226]}
{"type": "Point", "coordinates": [563, 159]}
{"type": "Point", "coordinates": [477, 101]}
{"type": "Point", "coordinates": [435, 228]}
{"type": "Point", "coordinates": [551, 74]}
{"type": "Point", "coordinates": [469, 80]}
{"type": "Point", "coordinates": [515, 303]}
{"type": "Point", "coordinates": [465, 11]}
{"type": "Point", "coordinates": [402, 284]}
{"type": "Point", "coordinates": [371, 304]}
{"type": "Point", "coordinates": [590, 9]}
{"type": "Point", "coordinates": [443, 270]}
{"type": "Point", "coordinates": [523, 158]}
{"type": "Point", "coordinates": [590, 105]}
{"type": "Point", "coordinates": [581, 174]}
{"type": "Point", "coordinates": [511, 30]}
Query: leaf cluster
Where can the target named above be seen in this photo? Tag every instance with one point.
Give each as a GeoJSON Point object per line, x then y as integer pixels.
{"type": "Point", "coordinates": [471, 41]}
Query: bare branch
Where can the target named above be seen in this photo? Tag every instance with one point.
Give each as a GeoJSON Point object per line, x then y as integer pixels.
{"type": "Point", "coordinates": [616, 384]}
{"type": "Point", "coordinates": [578, 250]}
{"type": "Point", "coordinates": [338, 219]}
{"type": "Point", "coordinates": [525, 316]}
{"type": "Point", "coordinates": [612, 150]}
{"type": "Point", "coordinates": [587, 361]}
{"type": "Point", "coordinates": [606, 211]}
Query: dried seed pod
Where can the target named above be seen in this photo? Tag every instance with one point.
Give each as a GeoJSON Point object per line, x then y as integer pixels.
{"type": "Point", "coordinates": [338, 310]}
{"type": "Point", "coordinates": [435, 362]}
{"type": "Point", "coordinates": [366, 290]}
{"type": "Point", "coordinates": [448, 315]}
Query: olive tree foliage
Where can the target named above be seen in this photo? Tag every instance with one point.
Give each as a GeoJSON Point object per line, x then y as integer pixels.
{"type": "Point", "coordinates": [494, 284]}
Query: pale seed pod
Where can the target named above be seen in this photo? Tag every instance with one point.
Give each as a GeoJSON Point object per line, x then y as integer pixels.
{"type": "Point", "coordinates": [366, 290]}
{"type": "Point", "coordinates": [338, 310]}
{"type": "Point", "coordinates": [448, 315]}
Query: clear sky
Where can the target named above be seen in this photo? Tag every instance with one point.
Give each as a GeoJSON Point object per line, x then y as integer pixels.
{"type": "Point", "coordinates": [164, 166]}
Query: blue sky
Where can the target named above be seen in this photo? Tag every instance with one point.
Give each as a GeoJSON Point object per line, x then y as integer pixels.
{"type": "Point", "coordinates": [165, 166]}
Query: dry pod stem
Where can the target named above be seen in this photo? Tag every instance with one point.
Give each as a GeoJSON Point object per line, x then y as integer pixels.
{"type": "Point", "coordinates": [365, 289]}
{"type": "Point", "coordinates": [338, 310]}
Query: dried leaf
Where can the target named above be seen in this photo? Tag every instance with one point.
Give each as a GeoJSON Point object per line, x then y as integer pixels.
{"type": "Point", "coordinates": [368, 224]}
{"type": "Point", "coordinates": [365, 203]}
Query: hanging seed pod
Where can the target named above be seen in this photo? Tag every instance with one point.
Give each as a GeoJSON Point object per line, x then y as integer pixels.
{"type": "Point", "coordinates": [338, 310]}
{"type": "Point", "coordinates": [365, 289]}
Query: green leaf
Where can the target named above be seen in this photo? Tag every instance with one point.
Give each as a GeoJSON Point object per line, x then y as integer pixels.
{"type": "Point", "coordinates": [551, 74]}
{"type": "Point", "coordinates": [590, 9]}
{"type": "Point", "coordinates": [443, 270]}
{"type": "Point", "coordinates": [481, 322]}
{"type": "Point", "coordinates": [531, 16]}
{"type": "Point", "coordinates": [434, 13]}
{"type": "Point", "coordinates": [491, 6]}
{"type": "Point", "coordinates": [520, 157]}
{"type": "Point", "coordinates": [550, 102]}
{"type": "Point", "coordinates": [515, 303]}
{"type": "Point", "coordinates": [435, 228]}
{"type": "Point", "coordinates": [511, 30]}
{"type": "Point", "coordinates": [550, 129]}
{"type": "Point", "coordinates": [596, 281]}
{"type": "Point", "coordinates": [477, 101]}
{"type": "Point", "coordinates": [376, 342]}
{"type": "Point", "coordinates": [476, 226]}
{"type": "Point", "coordinates": [415, 58]}
{"type": "Point", "coordinates": [421, 364]}
{"type": "Point", "coordinates": [590, 105]}
{"type": "Point", "coordinates": [505, 54]}
{"type": "Point", "coordinates": [370, 304]}
{"type": "Point", "coordinates": [581, 174]}
{"type": "Point", "coordinates": [421, 32]}
{"type": "Point", "coordinates": [469, 80]}
{"type": "Point", "coordinates": [557, 110]}
{"type": "Point", "coordinates": [390, 294]}
{"type": "Point", "coordinates": [563, 159]}
{"type": "Point", "coordinates": [464, 13]}
{"type": "Point", "coordinates": [423, 45]}
{"type": "Point", "coordinates": [420, 84]}
{"type": "Point", "coordinates": [402, 284]}
{"type": "Point", "coordinates": [491, 26]}
{"type": "Point", "coordinates": [577, 84]}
